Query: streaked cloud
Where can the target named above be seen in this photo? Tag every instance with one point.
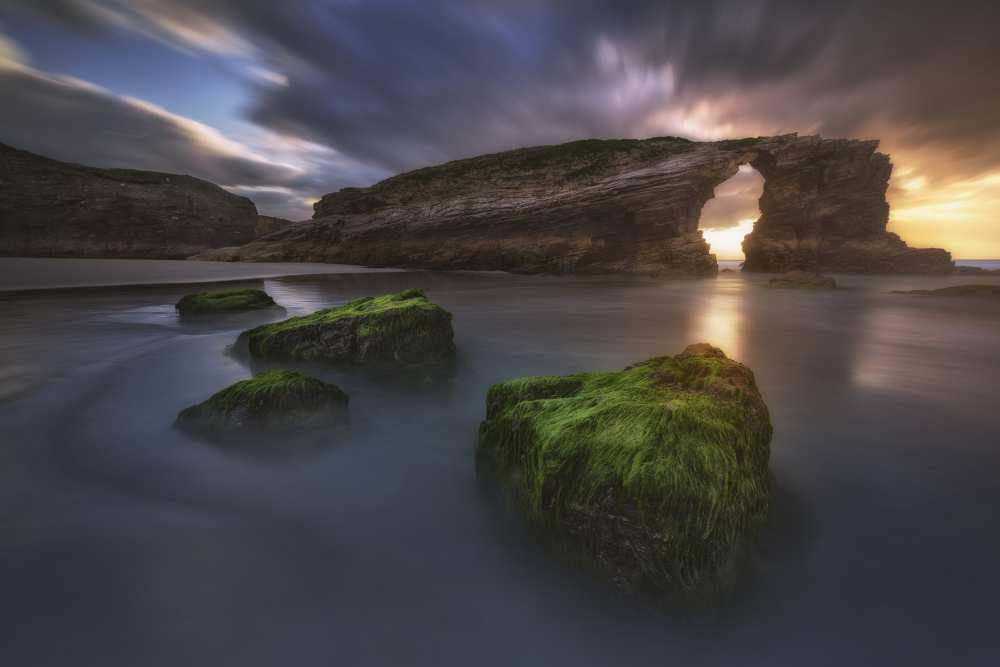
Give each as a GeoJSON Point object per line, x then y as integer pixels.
{"type": "Point", "coordinates": [392, 85]}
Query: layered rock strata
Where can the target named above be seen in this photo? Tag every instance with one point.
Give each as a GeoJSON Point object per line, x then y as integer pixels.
{"type": "Point", "coordinates": [57, 209]}
{"type": "Point", "coordinates": [615, 206]}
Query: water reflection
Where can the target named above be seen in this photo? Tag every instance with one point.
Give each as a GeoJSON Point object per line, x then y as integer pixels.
{"type": "Point", "coordinates": [718, 318]}
{"type": "Point", "coordinates": [127, 543]}
{"type": "Point", "coordinates": [909, 345]}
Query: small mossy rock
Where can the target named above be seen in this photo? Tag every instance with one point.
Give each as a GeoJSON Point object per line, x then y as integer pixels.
{"type": "Point", "coordinates": [988, 291]}
{"type": "Point", "coordinates": [224, 301]}
{"type": "Point", "coordinates": [658, 473]}
{"type": "Point", "coordinates": [404, 329]}
{"type": "Point", "coordinates": [273, 401]}
{"type": "Point", "coordinates": [803, 279]}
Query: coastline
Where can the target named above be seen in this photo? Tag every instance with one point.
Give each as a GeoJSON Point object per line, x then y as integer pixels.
{"type": "Point", "coordinates": [19, 275]}
{"type": "Point", "coordinates": [34, 274]}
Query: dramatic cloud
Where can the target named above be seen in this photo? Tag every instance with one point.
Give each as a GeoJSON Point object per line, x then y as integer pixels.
{"type": "Point", "coordinates": [396, 85]}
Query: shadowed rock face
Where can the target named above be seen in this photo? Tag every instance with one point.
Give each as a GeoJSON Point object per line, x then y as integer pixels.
{"type": "Point", "coordinates": [824, 209]}
{"type": "Point", "coordinates": [617, 206]}
{"type": "Point", "coordinates": [51, 208]}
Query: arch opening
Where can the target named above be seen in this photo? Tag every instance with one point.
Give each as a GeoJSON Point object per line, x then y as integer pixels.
{"type": "Point", "coordinates": [731, 213]}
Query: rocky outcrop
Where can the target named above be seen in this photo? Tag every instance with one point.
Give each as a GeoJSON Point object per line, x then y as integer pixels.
{"type": "Point", "coordinates": [273, 401]}
{"type": "Point", "coordinates": [803, 279]}
{"type": "Point", "coordinates": [824, 209]}
{"type": "Point", "coordinates": [268, 224]}
{"type": "Point", "coordinates": [657, 473]}
{"type": "Point", "coordinates": [224, 301]}
{"type": "Point", "coordinates": [616, 206]}
{"type": "Point", "coordinates": [404, 329]}
{"type": "Point", "coordinates": [975, 271]}
{"type": "Point", "coordinates": [980, 291]}
{"type": "Point", "coordinates": [57, 209]}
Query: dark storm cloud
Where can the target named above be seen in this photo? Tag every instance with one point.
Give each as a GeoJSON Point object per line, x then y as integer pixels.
{"type": "Point", "coordinates": [397, 85]}
{"type": "Point", "coordinates": [407, 83]}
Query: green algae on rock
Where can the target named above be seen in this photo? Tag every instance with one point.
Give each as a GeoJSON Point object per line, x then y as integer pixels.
{"type": "Point", "coordinates": [806, 279]}
{"type": "Point", "coordinates": [957, 290]}
{"type": "Point", "coordinates": [657, 473]}
{"type": "Point", "coordinates": [276, 400]}
{"type": "Point", "coordinates": [404, 329]}
{"type": "Point", "coordinates": [224, 301]}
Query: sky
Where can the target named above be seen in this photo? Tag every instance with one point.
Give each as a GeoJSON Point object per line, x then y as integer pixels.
{"type": "Point", "coordinates": [286, 101]}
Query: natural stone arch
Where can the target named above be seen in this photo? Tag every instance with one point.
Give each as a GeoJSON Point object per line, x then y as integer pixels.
{"type": "Point", "coordinates": [615, 206]}
{"type": "Point", "coordinates": [730, 215]}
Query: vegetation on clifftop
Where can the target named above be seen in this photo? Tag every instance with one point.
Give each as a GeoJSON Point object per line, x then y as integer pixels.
{"type": "Point", "coordinates": [660, 469]}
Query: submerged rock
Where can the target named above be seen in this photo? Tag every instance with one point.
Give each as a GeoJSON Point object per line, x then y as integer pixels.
{"type": "Point", "coordinates": [398, 329]}
{"type": "Point", "coordinates": [991, 291]}
{"type": "Point", "coordinates": [975, 271]}
{"type": "Point", "coordinates": [803, 279]}
{"type": "Point", "coordinates": [221, 301]}
{"type": "Point", "coordinates": [276, 400]}
{"type": "Point", "coordinates": [658, 473]}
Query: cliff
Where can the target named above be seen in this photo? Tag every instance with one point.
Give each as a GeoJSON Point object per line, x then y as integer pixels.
{"type": "Point", "coordinates": [51, 208]}
{"type": "Point", "coordinates": [616, 206]}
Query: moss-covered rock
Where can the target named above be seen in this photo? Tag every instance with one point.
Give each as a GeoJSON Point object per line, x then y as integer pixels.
{"type": "Point", "coordinates": [398, 329]}
{"type": "Point", "coordinates": [658, 472]}
{"type": "Point", "coordinates": [273, 401]}
{"type": "Point", "coordinates": [806, 279]}
{"type": "Point", "coordinates": [224, 301]}
{"type": "Point", "coordinates": [989, 291]}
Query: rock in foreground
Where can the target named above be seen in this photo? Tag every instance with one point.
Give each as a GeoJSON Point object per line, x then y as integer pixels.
{"type": "Point", "coordinates": [273, 401]}
{"type": "Point", "coordinates": [803, 279]}
{"type": "Point", "coordinates": [658, 473]}
{"type": "Point", "coordinates": [989, 291]}
{"type": "Point", "coordinates": [223, 301]}
{"type": "Point", "coordinates": [397, 329]}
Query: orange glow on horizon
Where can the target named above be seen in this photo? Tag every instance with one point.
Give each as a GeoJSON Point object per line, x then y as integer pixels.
{"type": "Point", "coordinates": [726, 243]}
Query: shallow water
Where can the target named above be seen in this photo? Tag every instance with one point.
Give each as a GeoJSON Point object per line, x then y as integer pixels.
{"type": "Point", "coordinates": [125, 542]}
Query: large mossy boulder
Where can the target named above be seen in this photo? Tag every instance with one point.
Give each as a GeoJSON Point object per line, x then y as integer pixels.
{"type": "Point", "coordinates": [273, 401]}
{"type": "Point", "coordinates": [224, 301]}
{"type": "Point", "coordinates": [404, 329]}
{"type": "Point", "coordinates": [803, 279]}
{"type": "Point", "coordinates": [658, 473]}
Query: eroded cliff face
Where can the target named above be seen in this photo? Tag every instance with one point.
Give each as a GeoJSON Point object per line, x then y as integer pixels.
{"type": "Point", "coordinates": [824, 209]}
{"type": "Point", "coordinates": [617, 206]}
{"type": "Point", "coordinates": [57, 209]}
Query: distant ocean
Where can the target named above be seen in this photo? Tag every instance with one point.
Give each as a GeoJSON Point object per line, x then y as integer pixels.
{"type": "Point", "coordinates": [992, 264]}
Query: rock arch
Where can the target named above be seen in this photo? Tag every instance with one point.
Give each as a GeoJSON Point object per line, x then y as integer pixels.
{"type": "Point", "coordinates": [614, 206]}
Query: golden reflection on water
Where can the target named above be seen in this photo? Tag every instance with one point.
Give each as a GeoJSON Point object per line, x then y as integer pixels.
{"type": "Point", "coordinates": [904, 350]}
{"type": "Point", "coordinates": [718, 319]}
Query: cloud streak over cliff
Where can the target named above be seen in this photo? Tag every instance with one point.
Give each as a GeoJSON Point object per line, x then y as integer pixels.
{"type": "Point", "coordinates": [389, 86]}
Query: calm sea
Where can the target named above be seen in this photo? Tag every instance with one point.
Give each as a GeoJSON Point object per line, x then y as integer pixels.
{"type": "Point", "coordinates": [125, 542]}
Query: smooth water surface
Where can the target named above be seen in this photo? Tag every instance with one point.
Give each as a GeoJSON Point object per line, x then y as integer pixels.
{"type": "Point", "coordinates": [125, 542]}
